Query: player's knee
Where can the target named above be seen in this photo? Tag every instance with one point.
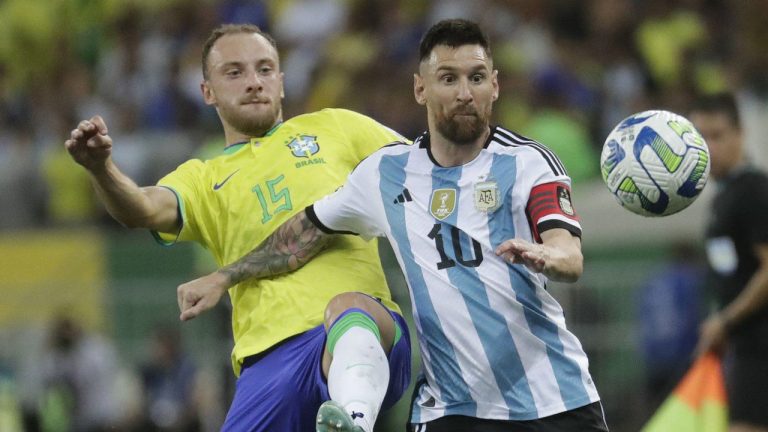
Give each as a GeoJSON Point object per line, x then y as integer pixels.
{"type": "Point", "coordinates": [354, 300]}
{"type": "Point", "coordinates": [343, 302]}
{"type": "Point", "coordinates": [339, 304]}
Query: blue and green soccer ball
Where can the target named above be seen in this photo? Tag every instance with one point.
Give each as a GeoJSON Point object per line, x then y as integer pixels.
{"type": "Point", "coordinates": [655, 163]}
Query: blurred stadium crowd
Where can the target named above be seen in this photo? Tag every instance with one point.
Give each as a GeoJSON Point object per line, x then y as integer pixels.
{"type": "Point", "coordinates": [569, 71]}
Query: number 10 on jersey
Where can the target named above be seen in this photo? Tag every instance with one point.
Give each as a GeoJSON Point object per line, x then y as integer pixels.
{"type": "Point", "coordinates": [474, 257]}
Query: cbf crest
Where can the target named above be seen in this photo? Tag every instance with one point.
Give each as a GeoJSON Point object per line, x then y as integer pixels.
{"type": "Point", "coordinates": [487, 196]}
{"type": "Point", "coordinates": [443, 203]}
{"type": "Point", "coordinates": [304, 146]}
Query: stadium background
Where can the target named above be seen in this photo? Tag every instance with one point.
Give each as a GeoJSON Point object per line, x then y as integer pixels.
{"type": "Point", "coordinates": [569, 70]}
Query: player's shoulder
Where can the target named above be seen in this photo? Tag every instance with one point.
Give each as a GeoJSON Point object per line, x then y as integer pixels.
{"type": "Point", "coordinates": [221, 155]}
{"type": "Point", "coordinates": [336, 118]}
{"type": "Point", "coordinates": [212, 164]}
{"type": "Point", "coordinates": [369, 163]}
{"type": "Point", "coordinates": [392, 149]}
{"type": "Point", "coordinates": [211, 161]}
{"type": "Point", "coordinates": [335, 114]}
{"type": "Point", "coordinates": [506, 141]}
{"type": "Point", "coordinates": [509, 141]}
{"type": "Point", "coordinates": [194, 165]}
{"type": "Point", "coordinates": [189, 171]}
{"type": "Point", "coordinates": [395, 147]}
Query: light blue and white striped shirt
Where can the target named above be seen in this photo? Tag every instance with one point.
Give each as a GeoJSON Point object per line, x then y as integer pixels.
{"type": "Point", "coordinates": [493, 341]}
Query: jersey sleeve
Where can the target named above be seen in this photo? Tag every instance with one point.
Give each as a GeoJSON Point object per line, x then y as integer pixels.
{"type": "Point", "coordinates": [185, 183]}
{"type": "Point", "coordinates": [347, 210]}
{"type": "Point", "coordinates": [365, 134]}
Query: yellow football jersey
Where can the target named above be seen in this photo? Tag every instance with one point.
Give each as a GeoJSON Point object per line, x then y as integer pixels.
{"type": "Point", "coordinates": [231, 203]}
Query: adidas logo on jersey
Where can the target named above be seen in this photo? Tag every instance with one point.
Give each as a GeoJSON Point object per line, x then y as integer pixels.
{"type": "Point", "coordinates": [403, 197]}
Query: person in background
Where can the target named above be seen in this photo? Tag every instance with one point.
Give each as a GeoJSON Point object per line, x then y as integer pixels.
{"type": "Point", "coordinates": [737, 251]}
{"type": "Point", "coordinates": [169, 381]}
{"type": "Point", "coordinates": [78, 377]}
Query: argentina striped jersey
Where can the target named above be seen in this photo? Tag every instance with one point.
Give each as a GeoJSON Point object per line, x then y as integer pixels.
{"type": "Point", "coordinates": [493, 341]}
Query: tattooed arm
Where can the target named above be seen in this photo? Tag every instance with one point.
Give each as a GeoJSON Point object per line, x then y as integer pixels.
{"type": "Point", "coordinates": [291, 246]}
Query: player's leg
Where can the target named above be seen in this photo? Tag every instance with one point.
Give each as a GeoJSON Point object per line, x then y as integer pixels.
{"type": "Point", "coordinates": [361, 333]}
{"type": "Point", "coordinates": [281, 388]}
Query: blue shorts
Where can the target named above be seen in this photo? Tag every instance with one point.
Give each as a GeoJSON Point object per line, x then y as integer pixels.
{"type": "Point", "coordinates": [282, 389]}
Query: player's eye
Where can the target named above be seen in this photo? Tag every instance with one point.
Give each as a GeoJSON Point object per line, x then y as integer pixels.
{"type": "Point", "coordinates": [265, 70]}
{"type": "Point", "coordinates": [478, 78]}
{"type": "Point", "coordinates": [447, 79]}
{"type": "Point", "coordinates": [232, 73]}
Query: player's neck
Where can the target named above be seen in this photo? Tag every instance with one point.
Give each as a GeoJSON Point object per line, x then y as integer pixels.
{"type": "Point", "coordinates": [448, 153]}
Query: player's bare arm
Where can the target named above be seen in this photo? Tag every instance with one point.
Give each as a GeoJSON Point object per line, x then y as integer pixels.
{"type": "Point", "coordinates": [135, 207]}
{"type": "Point", "coordinates": [558, 256]}
{"type": "Point", "coordinates": [291, 246]}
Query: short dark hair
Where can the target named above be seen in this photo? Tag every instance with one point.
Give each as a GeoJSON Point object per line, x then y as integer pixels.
{"type": "Point", "coordinates": [454, 33]}
{"type": "Point", "coordinates": [226, 29]}
{"type": "Point", "coordinates": [719, 103]}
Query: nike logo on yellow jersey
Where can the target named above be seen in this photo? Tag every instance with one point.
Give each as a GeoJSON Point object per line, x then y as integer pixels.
{"type": "Point", "coordinates": [218, 186]}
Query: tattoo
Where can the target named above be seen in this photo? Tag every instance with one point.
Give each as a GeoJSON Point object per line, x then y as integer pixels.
{"type": "Point", "coordinates": [291, 246]}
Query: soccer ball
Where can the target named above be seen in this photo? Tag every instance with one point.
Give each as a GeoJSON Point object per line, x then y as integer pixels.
{"type": "Point", "coordinates": [655, 163]}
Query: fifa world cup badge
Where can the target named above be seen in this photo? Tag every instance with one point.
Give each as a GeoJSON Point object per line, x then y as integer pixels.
{"type": "Point", "coordinates": [443, 203]}
{"type": "Point", "coordinates": [487, 196]}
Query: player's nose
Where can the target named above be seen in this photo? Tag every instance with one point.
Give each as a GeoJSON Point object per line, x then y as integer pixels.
{"type": "Point", "coordinates": [253, 82]}
{"type": "Point", "coordinates": [463, 93]}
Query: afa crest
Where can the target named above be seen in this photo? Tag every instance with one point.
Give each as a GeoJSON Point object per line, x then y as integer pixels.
{"type": "Point", "coordinates": [304, 146]}
{"type": "Point", "coordinates": [564, 200]}
{"type": "Point", "coordinates": [487, 196]}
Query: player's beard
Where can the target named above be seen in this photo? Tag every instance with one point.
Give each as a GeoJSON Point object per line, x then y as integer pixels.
{"type": "Point", "coordinates": [243, 120]}
{"type": "Point", "coordinates": [463, 126]}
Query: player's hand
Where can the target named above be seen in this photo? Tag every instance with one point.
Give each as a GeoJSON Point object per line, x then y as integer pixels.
{"type": "Point", "coordinates": [518, 251]}
{"type": "Point", "coordinates": [201, 294]}
{"type": "Point", "coordinates": [712, 335]}
{"type": "Point", "coordinates": [88, 144]}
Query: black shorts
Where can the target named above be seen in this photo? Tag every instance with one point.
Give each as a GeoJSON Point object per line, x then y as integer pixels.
{"type": "Point", "coordinates": [588, 418]}
{"type": "Point", "coordinates": [746, 383]}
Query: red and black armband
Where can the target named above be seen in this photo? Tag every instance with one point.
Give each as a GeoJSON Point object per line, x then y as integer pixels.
{"type": "Point", "coordinates": [550, 206]}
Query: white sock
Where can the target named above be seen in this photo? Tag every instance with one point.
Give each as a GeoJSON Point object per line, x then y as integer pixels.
{"type": "Point", "coordinates": [359, 375]}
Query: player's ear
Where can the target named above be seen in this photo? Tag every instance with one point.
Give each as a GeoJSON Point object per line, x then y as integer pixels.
{"type": "Point", "coordinates": [495, 83]}
{"type": "Point", "coordinates": [208, 95]}
{"type": "Point", "coordinates": [418, 89]}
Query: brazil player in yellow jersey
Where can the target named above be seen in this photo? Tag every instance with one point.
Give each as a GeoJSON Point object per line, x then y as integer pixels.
{"type": "Point", "coordinates": [328, 334]}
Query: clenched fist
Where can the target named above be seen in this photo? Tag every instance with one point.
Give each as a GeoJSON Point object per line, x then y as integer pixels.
{"type": "Point", "coordinates": [89, 145]}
